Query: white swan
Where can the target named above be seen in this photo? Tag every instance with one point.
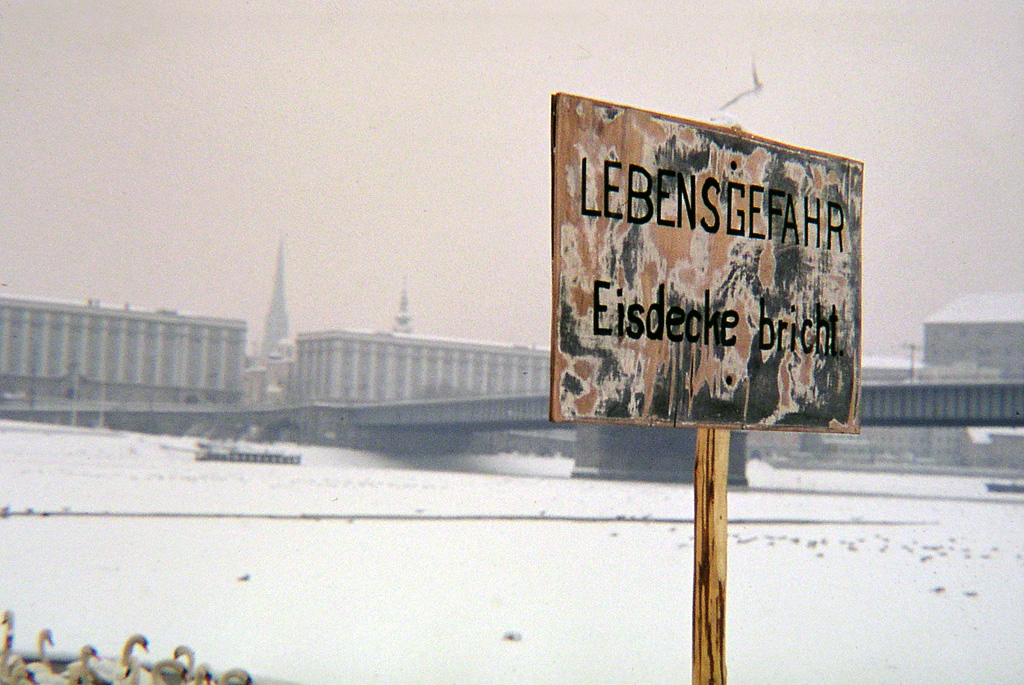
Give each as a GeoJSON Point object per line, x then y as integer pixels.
{"type": "Point", "coordinates": [18, 673]}
{"type": "Point", "coordinates": [5, 649]}
{"type": "Point", "coordinates": [169, 672]}
{"type": "Point", "coordinates": [42, 670]}
{"type": "Point", "coordinates": [79, 672]}
{"type": "Point", "coordinates": [45, 637]}
{"type": "Point", "coordinates": [190, 659]}
{"type": "Point", "coordinates": [235, 676]}
{"type": "Point", "coordinates": [202, 675]}
{"type": "Point", "coordinates": [129, 671]}
{"type": "Point", "coordinates": [126, 669]}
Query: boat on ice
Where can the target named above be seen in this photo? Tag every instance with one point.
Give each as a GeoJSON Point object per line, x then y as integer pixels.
{"type": "Point", "coordinates": [248, 454]}
{"type": "Point", "coordinates": [1014, 487]}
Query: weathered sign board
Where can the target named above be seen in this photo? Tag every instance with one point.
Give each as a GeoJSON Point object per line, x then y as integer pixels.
{"type": "Point", "coordinates": [702, 275]}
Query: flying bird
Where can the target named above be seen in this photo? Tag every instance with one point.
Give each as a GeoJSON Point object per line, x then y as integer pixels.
{"type": "Point", "coordinates": [758, 85]}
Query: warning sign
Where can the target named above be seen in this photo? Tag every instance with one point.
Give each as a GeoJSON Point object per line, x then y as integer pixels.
{"type": "Point", "coordinates": [702, 275]}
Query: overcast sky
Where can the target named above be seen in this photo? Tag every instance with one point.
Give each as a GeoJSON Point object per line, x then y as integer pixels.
{"type": "Point", "coordinates": [155, 153]}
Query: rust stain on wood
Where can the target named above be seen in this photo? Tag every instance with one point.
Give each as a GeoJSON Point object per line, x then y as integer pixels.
{"type": "Point", "coordinates": [704, 276]}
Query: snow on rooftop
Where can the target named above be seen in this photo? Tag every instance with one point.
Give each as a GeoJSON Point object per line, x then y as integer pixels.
{"type": "Point", "coordinates": [105, 307]}
{"type": "Point", "coordinates": [982, 307]}
{"type": "Point", "coordinates": [417, 337]}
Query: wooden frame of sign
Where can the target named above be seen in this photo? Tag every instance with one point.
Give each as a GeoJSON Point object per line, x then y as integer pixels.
{"type": "Point", "coordinates": [703, 277]}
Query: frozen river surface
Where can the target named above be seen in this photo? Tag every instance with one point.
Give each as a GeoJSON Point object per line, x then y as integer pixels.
{"type": "Point", "coordinates": [344, 571]}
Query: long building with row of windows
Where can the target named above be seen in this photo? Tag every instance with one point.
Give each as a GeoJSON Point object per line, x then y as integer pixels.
{"type": "Point", "coordinates": [56, 351]}
{"type": "Point", "coordinates": [355, 367]}
{"type": "Point", "coordinates": [348, 366]}
{"type": "Point", "coordinates": [65, 350]}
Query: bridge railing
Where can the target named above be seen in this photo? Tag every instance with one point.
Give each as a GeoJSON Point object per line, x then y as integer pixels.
{"type": "Point", "coordinates": [948, 404]}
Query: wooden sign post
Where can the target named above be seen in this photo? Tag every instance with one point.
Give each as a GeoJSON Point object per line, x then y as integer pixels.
{"type": "Point", "coordinates": [710, 473]}
{"type": "Point", "coordinates": [707, 278]}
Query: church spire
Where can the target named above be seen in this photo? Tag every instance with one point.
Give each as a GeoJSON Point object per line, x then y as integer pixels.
{"type": "Point", "coordinates": [403, 320]}
{"type": "Point", "coordinates": [275, 328]}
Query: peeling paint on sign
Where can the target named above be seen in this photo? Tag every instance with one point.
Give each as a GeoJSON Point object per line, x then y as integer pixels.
{"type": "Point", "coordinates": [702, 276]}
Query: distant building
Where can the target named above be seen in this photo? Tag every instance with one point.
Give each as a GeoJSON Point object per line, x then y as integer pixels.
{"type": "Point", "coordinates": [893, 447]}
{"type": "Point", "coordinates": [977, 336]}
{"type": "Point", "coordinates": [353, 366]}
{"type": "Point", "coordinates": [267, 380]}
{"type": "Point", "coordinates": [61, 350]}
{"type": "Point", "coordinates": [349, 366]}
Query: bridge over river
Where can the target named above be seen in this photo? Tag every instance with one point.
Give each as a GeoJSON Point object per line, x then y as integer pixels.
{"type": "Point", "coordinates": [905, 404]}
{"type": "Point", "coordinates": [459, 425]}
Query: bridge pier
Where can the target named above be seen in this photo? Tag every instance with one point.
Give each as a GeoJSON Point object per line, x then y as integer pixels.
{"type": "Point", "coordinates": [411, 442]}
{"type": "Point", "coordinates": [642, 453]}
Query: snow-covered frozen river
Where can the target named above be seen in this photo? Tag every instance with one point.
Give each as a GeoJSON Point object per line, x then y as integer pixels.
{"type": "Point", "coordinates": [344, 571]}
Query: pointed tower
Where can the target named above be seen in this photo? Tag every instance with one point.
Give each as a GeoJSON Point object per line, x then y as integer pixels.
{"type": "Point", "coordinates": [403, 320]}
{"type": "Point", "coordinates": [275, 328]}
